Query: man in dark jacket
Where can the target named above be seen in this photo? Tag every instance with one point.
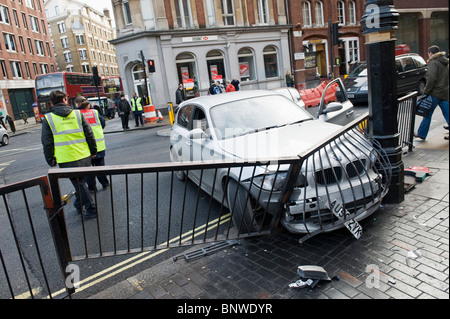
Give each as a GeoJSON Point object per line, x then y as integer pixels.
{"type": "Point", "coordinates": [68, 141]}
{"type": "Point", "coordinates": [437, 87]}
{"type": "Point", "coordinates": [124, 110]}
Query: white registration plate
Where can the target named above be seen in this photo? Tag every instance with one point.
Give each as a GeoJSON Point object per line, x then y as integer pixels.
{"type": "Point", "coordinates": [350, 96]}
{"type": "Point", "coordinates": [340, 212]}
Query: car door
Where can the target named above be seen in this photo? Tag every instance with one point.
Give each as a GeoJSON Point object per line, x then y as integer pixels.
{"type": "Point", "coordinates": [407, 77]}
{"type": "Point", "coordinates": [333, 95]}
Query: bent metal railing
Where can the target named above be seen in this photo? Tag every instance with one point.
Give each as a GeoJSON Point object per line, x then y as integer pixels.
{"type": "Point", "coordinates": [330, 185]}
{"type": "Point", "coordinates": [406, 117]}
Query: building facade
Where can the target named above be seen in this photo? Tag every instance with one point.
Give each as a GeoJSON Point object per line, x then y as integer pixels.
{"type": "Point", "coordinates": [198, 41]}
{"type": "Point", "coordinates": [423, 23]}
{"type": "Point", "coordinates": [25, 51]}
{"type": "Point", "coordinates": [81, 36]}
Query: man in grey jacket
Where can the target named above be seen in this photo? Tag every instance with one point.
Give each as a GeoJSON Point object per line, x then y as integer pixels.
{"type": "Point", "coordinates": [437, 87]}
{"type": "Point", "coordinates": [59, 146]}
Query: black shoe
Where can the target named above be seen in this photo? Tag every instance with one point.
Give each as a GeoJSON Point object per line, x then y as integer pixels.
{"type": "Point", "coordinates": [417, 136]}
{"type": "Point", "coordinates": [106, 187]}
{"type": "Point", "coordinates": [446, 127]}
{"type": "Point", "coordinates": [93, 189]}
{"type": "Point", "coordinates": [90, 215]}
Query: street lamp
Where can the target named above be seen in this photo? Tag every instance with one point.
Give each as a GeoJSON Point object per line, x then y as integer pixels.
{"type": "Point", "coordinates": [379, 22]}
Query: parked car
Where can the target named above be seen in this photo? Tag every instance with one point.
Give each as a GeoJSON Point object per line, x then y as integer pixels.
{"type": "Point", "coordinates": [411, 70]}
{"type": "Point", "coordinates": [260, 124]}
{"type": "Point", "coordinates": [4, 135]}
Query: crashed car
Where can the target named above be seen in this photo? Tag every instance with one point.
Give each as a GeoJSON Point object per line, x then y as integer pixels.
{"type": "Point", "coordinates": [252, 125]}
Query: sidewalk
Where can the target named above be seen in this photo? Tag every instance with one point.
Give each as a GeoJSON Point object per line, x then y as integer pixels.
{"type": "Point", "coordinates": [112, 126]}
{"type": "Point", "coordinates": [402, 254]}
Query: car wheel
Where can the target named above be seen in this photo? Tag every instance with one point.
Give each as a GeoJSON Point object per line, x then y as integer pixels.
{"type": "Point", "coordinates": [176, 159]}
{"type": "Point", "coordinates": [5, 140]}
{"type": "Point", "coordinates": [421, 87]}
{"type": "Point", "coordinates": [241, 207]}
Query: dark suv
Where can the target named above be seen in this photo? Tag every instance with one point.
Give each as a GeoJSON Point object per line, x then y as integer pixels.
{"type": "Point", "coordinates": [411, 70]}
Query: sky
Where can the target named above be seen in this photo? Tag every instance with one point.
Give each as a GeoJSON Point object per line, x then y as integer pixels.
{"type": "Point", "coordinates": [100, 4]}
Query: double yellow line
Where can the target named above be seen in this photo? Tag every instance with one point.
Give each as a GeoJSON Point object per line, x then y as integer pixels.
{"type": "Point", "coordinates": [140, 258]}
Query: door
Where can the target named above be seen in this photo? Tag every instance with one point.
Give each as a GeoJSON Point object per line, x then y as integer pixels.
{"type": "Point", "coordinates": [22, 100]}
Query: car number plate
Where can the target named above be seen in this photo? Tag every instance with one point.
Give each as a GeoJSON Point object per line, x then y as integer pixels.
{"type": "Point", "coordinates": [350, 96]}
{"type": "Point", "coordinates": [340, 212]}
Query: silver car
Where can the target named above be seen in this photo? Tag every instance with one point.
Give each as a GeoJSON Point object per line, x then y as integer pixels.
{"type": "Point", "coordinates": [4, 136]}
{"type": "Point", "coordinates": [255, 125]}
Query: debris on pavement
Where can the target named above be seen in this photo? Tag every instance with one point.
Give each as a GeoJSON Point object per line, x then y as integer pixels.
{"type": "Point", "coordinates": [413, 254]}
{"type": "Point", "coordinates": [309, 275]}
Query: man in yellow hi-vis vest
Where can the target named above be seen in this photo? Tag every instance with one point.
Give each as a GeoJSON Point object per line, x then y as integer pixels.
{"type": "Point", "coordinates": [68, 141]}
{"type": "Point", "coordinates": [136, 107]}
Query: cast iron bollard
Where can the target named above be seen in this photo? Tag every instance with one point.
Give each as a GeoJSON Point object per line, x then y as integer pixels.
{"type": "Point", "coordinates": [379, 22]}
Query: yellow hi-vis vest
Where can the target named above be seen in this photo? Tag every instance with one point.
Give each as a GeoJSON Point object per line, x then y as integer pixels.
{"type": "Point", "coordinates": [93, 119]}
{"type": "Point", "coordinates": [68, 136]}
{"type": "Point", "coordinates": [135, 104]}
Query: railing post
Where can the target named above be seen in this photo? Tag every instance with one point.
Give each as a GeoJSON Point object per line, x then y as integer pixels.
{"type": "Point", "coordinates": [378, 24]}
{"type": "Point", "coordinates": [57, 223]}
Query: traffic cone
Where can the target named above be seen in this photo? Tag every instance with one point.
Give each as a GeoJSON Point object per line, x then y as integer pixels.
{"type": "Point", "coordinates": [160, 117]}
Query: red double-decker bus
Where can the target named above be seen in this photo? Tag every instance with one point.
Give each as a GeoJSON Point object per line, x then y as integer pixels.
{"type": "Point", "coordinates": [113, 86]}
{"type": "Point", "coordinates": [73, 84]}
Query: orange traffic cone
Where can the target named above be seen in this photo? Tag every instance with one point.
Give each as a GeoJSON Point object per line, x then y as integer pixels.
{"type": "Point", "coordinates": [160, 117]}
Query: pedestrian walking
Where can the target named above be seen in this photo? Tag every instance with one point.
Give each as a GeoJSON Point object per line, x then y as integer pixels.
{"type": "Point", "coordinates": [235, 83]}
{"type": "Point", "coordinates": [1, 120]}
{"type": "Point", "coordinates": [179, 95]}
{"type": "Point", "coordinates": [68, 141]}
{"type": "Point", "coordinates": [110, 107]}
{"type": "Point", "coordinates": [230, 87]}
{"type": "Point", "coordinates": [136, 107]}
{"type": "Point", "coordinates": [124, 110]}
{"type": "Point", "coordinates": [211, 88]}
{"type": "Point", "coordinates": [217, 88]}
{"type": "Point", "coordinates": [24, 117]}
{"type": "Point", "coordinates": [10, 121]}
{"type": "Point", "coordinates": [289, 80]}
{"type": "Point", "coordinates": [437, 87]}
{"type": "Point", "coordinates": [97, 123]}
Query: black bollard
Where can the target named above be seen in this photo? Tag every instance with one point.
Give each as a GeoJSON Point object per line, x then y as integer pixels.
{"type": "Point", "coordinates": [379, 23]}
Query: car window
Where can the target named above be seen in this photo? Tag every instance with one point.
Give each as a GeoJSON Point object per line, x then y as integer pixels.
{"type": "Point", "coordinates": [359, 71]}
{"type": "Point", "coordinates": [184, 116]}
{"type": "Point", "coordinates": [408, 64]}
{"type": "Point", "coordinates": [254, 114]}
{"type": "Point", "coordinates": [199, 120]}
{"type": "Point", "coordinates": [420, 62]}
{"type": "Point", "coordinates": [398, 66]}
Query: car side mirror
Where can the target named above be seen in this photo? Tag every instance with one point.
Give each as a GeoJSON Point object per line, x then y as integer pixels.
{"type": "Point", "coordinates": [197, 133]}
{"type": "Point", "coordinates": [332, 107]}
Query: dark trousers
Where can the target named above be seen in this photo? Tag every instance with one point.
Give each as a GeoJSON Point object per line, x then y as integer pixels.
{"type": "Point", "coordinates": [124, 118]}
{"type": "Point", "coordinates": [90, 180]}
{"type": "Point", "coordinates": [138, 118]}
{"type": "Point", "coordinates": [82, 196]}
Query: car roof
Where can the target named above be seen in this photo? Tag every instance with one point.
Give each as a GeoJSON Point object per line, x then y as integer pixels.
{"type": "Point", "coordinates": [209, 101]}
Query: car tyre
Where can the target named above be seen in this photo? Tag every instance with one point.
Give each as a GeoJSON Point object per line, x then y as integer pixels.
{"type": "Point", "coordinates": [5, 140]}
{"type": "Point", "coordinates": [181, 175]}
{"type": "Point", "coordinates": [241, 207]}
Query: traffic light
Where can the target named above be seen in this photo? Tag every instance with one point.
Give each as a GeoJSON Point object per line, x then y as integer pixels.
{"type": "Point", "coordinates": [96, 78]}
{"type": "Point", "coordinates": [151, 66]}
{"type": "Point", "coordinates": [336, 34]}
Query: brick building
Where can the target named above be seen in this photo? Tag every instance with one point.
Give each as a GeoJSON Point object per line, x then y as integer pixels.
{"type": "Point", "coordinates": [25, 51]}
{"type": "Point", "coordinates": [81, 37]}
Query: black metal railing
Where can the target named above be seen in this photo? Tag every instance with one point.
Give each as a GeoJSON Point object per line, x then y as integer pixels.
{"type": "Point", "coordinates": [406, 117]}
{"type": "Point", "coordinates": [147, 207]}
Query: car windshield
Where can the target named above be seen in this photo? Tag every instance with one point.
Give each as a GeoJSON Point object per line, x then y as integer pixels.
{"type": "Point", "coordinates": [360, 71]}
{"type": "Point", "coordinates": [255, 114]}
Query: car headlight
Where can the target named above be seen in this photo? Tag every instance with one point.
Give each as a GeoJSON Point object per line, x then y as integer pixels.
{"type": "Point", "coordinates": [364, 88]}
{"type": "Point", "coordinates": [267, 182]}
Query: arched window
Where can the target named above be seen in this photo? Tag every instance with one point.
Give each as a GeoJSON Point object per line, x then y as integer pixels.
{"type": "Point", "coordinates": [351, 12]}
{"type": "Point", "coordinates": [319, 13]}
{"type": "Point", "coordinates": [216, 66]}
{"type": "Point", "coordinates": [246, 64]}
{"type": "Point", "coordinates": [138, 74]}
{"type": "Point", "coordinates": [306, 13]}
{"type": "Point", "coordinates": [341, 12]}
{"type": "Point", "coordinates": [187, 72]}
{"type": "Point", "coordinates": [270, 54]}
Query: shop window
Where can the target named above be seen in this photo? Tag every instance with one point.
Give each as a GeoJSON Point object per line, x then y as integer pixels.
{"type": "Point", "coordinates": [271, 61]}
{"type": "Point", "coordinates": [216, 66]}
{"type": "Point", "coordinates": [187, 73]}
{"type": "Point", "coordinates": [246, 64]}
